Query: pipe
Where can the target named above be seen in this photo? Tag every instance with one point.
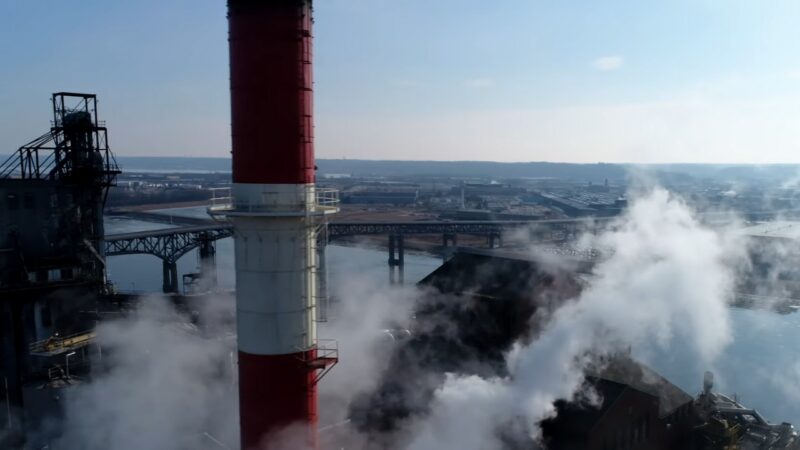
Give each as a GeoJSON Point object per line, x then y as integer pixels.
{"type": "Point", "coordinates": [273, 208]}
{"type": "Point", "coordinates": [70, 354]}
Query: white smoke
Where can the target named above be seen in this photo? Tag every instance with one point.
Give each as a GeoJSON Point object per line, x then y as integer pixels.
{"type": "Point", "coordinates": [364, 323]}
{"type": "Point", "coordinates": [170, 385]}
{"type": "Point", "coordinates": [787, 382]}
{"type": "Point", "coordinates": [666, 276]}
{"type": "Point", "coordinates": [166, 387]}
{"type": "Point", "coordinates": [366, 320]}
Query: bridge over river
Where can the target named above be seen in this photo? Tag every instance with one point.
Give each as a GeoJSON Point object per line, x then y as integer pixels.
{"type": "Point", "coordinates": [189, 233]}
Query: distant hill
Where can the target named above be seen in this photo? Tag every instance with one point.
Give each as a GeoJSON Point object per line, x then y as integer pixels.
{"type": "Point", "coordinates": [483, 169]}
{"type": "Point", "coordinates": [594, 172]}
{"type": "Point", "coordinates": [376, 168]}
{"type": "Point", "coordinates": [173, 164]}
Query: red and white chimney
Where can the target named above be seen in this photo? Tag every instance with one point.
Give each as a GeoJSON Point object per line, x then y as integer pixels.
{"type": "Point", "coordinates": [275, 216]}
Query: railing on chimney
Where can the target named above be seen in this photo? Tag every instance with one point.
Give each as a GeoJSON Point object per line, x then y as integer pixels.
{"type": "Point", "coordinates": [325, 357]}
{"type": "Point", "coordinates": [326, 201]}
{"type": "Point", "coordinates": [220, 199]}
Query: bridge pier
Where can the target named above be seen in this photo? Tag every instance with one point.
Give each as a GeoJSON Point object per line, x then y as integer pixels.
{"type": "Point", "coordinates": [208, 267]}
{"type": "Point", "coordinates": [396, 258]}
{"type": "Point", "coordinates": [447, 249]}
{"type": "Point", "coordinates": [494, 240]}
{"type": "Point", "coordinates": [170, 284]}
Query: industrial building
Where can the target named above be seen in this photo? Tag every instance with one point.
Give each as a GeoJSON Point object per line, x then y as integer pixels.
{"type": "Point", "coordinates": [381, 193]}
{"type": "Point", "coordinates": [580, 203]}
{"type": "Point", "coordinates": [52, 266]}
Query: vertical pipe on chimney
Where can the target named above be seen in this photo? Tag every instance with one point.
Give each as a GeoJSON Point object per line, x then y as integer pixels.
{"type": "Point", "coordinates": [273, 202]}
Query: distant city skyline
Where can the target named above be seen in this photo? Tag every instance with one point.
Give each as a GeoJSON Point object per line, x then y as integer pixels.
{"type": "Point", "coordinates": [623, 82]}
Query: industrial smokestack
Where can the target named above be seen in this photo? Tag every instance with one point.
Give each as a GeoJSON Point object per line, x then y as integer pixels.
{"type": "Point", "coordinates": [274, 214]}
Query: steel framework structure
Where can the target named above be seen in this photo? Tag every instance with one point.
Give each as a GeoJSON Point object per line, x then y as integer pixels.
{"type": "Point", "coordinates": [169, 244]}
{"type": "Point", "coordinates": [72, 161]}
{"type": "Point", "coordinates": [76, 147]}
{"type": "Point", "coordinates": [172, 243]}
{"type": "Point", "coordinates": [483, 228]}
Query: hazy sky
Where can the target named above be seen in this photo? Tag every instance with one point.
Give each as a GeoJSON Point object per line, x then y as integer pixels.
{"type": "Point", "coordinates": [510, 80]}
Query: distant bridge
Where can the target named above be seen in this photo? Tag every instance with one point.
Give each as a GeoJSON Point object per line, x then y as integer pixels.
{"type": "Point", "coordinates": [171, 244]}
{"type": "Point", "coordinates": [472, 227]}
{"type": "Point", "coordinates": [196, 232]}
{"type": "Point", "coordinates": [337, 229]}
{"type": "Point", "coordinates": [199, 233]}
{"type": "Point", "coordinates": [168, 244]}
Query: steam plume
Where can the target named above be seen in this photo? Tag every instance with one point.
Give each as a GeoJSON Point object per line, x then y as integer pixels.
{"type": "Point", "coordinates": [160, 384]}
{"type": "Point", "coordinates": [665, 276]}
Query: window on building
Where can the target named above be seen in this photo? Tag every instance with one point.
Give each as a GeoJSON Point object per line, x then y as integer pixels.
{"type": "Point", "coordinates": [13, 201]}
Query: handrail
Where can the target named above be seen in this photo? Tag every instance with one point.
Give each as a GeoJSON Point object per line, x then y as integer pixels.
{"type": "Point", "coordinates": [220, 202]}
{"type": "Point", "coordinates": [327, 348]}
{"type": "Point", "coordinates": [56, 343]}
{"type": "Point", "coordinates": [326, 200]}
{"type": "Point", "coordinates": [326, 356]}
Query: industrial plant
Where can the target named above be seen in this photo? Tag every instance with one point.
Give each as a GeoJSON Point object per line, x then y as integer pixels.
{"type": "Point", "coordinates": [52, 265]}
{"type": "Point", "coordinates": [523, 266]}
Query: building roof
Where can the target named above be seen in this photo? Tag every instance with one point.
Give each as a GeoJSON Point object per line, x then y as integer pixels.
{"type": "Point", "coordinates": [504, 274]}
{"type": "Point", "coordinates": [626, 370]}
{"type": "Point", "coordinates": [577, 419]}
